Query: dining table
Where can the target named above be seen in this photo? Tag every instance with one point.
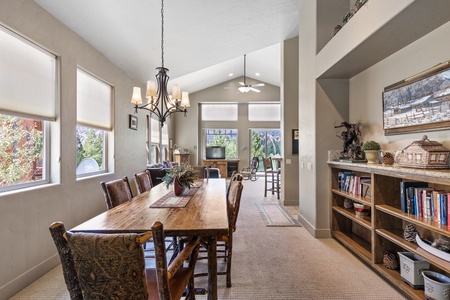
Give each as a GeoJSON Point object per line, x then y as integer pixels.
{"type": "Point", "coordinates": [204, 215]}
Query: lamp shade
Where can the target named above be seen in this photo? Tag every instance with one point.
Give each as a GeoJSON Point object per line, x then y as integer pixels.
{"type": "Point", "coordinates": [136, 98]}
{"type": "Point", "coordinates": [151, 89]}
{"type": "Point", "coordinates": [185, 99]}
{"type": "Point", "coordinates": [176, 92]}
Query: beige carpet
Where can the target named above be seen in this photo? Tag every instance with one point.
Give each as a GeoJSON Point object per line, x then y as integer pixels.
{"type": "Point", "coordinates": [276, 263]}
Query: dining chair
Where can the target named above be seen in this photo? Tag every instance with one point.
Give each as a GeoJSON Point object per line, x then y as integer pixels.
{"type": "Point", "coordinates": [57, 231]}
{"type": "Point", "coordinates": [112, 266]}
{"type": "Point", "coordinates": [225, 242]}
{"type": "Point", "coordinates": [116, 192]}
{"type": "Point", "coordinates": [143, 181]}
{"type": "Point", "coordinates": [271, 178]}
{"type": "Point", "coordinates": [250, 171]}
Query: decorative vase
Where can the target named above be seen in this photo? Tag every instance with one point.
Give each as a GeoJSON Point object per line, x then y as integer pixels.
{"type": "Point", "coordinates": [178, 188]}
{"type": "Point", "coordinates": [371, 156]}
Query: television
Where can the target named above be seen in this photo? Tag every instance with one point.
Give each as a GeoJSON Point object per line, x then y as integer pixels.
{"type": "Point", "coordinates": [215, 152]}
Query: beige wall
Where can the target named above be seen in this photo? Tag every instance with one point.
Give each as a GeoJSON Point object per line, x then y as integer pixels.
{"type": "Point", "coordinates": [289, 120]}
{"type": "Point", "coordinates": [27, 250]}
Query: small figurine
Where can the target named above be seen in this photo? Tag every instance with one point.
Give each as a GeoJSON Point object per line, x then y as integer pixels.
{"type": "Point", "coordinates": [352, 145]}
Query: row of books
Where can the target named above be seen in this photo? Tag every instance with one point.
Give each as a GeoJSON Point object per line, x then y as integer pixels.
{"type": "Point", "coordinates": [354, 184]}
{"type": "Point", "coordinates": [416, 198]}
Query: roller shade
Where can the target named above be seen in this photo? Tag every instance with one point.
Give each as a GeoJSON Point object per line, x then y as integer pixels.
{"type": "Point", "coordinates": [27, 78]}
{"type": "Point", "coordinates": [94, 102]}
{"type": "Point", "coordinates": [219, 112]}
{"type": "Point", "coordinates": [264, 112]}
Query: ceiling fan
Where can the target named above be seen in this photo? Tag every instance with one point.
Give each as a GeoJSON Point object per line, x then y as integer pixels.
{"type": "Point", "coordinates": [244, 87]}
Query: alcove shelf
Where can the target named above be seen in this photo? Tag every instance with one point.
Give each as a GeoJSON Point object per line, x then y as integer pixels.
{"type": "Point", "coordinates": [379, 29]}
{"type": "Point", "coordinates": [369, 237]}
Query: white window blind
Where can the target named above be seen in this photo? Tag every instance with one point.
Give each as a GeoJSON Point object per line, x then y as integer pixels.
{"type": "Point", "coordinates": [94, 102]}
{"type": "Point", "coordinates": [154, 131]}
{"type": "Point", "coordinates": [264, 112]}
{"type": "Point", "coordinates": [165, 135]}
{"type": "Point", "coordinates": [27, 78]}
{"type": "Point", "coordinates": [219, 112]}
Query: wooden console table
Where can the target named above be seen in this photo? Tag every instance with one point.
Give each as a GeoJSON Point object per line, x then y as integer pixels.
{"type": "Point", "coordinates": [225, 166]}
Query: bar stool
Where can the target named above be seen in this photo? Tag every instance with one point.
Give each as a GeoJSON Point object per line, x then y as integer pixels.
{"type": "Point", "coordinates": [271, 178]}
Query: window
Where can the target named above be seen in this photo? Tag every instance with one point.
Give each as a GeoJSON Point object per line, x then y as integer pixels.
{"type": "Point", "coordinates": [165, 142]}
{"type": "Point", "coordinates": [22, 151]}
{"type": "Point", "coordinates": [222, 137]}
{"type": "Point", "coordinates": [154, 141]}
{"type": "Point", "coordinates": [27, 107]}
{"type": "Point", "coordinates": [94, 121]}
{"type": "Point", "coordinates": [219, 112]}
{"type": "Point", "coordinates": [264, 112]}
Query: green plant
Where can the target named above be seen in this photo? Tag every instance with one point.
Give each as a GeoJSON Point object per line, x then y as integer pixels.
{"type": "Point", "coordinates": [371, 145]}
{"type": "Point", "coordinates": [185, 174]}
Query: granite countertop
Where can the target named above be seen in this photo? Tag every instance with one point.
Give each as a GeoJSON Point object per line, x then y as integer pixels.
{"type": "Point", "coordinates": [395, 169]}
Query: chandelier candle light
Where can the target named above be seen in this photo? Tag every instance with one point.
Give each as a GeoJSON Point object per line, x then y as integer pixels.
{"type": "Point", "coordinates": [160, 102]}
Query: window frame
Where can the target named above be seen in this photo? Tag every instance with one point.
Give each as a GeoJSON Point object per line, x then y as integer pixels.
{"type": "Point", "coordinates": [107, 132]}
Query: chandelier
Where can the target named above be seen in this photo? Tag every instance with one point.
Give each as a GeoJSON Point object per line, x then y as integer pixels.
{"type": "Point", "coordinates": [160, 103]}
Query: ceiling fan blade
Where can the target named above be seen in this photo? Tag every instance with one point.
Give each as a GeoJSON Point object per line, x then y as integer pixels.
{"type": "Point", "coordinates": [241, 83]}
{"type": "Point", "coordinates": [258, 84]}
{"type": "Point", "coordinates": [255, 90]}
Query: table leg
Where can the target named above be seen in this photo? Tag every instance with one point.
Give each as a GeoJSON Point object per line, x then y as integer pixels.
{"type": "Point", "coordinates": [212, 268]}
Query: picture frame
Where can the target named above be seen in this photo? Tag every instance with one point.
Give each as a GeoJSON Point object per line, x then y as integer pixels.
{"type": "Point", "coordinates": [295, 137]}
{"type": "Point", "coordinates": [133, 122]}
{"type": "Point", "coordinates": [418, 103]}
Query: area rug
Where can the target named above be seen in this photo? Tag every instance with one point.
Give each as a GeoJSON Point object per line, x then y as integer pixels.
{"type": "Point", "coordinates": [275, 215]}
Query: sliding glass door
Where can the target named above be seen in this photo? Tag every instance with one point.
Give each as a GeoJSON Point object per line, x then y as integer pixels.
{"type": "Point", "coordinates": [265, 143]}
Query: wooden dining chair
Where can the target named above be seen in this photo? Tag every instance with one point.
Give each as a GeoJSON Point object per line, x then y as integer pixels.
{"type": "Point", "coordinates": [116, 192]}
{"type": "Point", "coordinates": [250, 171]}
{"type": "Point", "coordinates": [143, 181]}
{"type": "Point", "coordinates": [225, 242]}
{"type": "Point", "coordinates": [57, 231]}
{"type": "Point", "coordinates": [112, 266]}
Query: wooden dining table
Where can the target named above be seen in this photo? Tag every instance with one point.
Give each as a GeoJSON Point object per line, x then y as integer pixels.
{"type": "Point", "coordinates": [204, 215]}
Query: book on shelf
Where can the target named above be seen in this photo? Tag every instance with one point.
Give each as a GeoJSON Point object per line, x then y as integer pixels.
{"type": "Point", "coordinates": [404, 185]}
{"type": "Point", "coordinates": [365, 185]}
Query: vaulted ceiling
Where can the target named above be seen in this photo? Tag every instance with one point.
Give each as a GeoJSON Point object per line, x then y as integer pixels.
{"type": "Point", "coordinates": [204, 40]}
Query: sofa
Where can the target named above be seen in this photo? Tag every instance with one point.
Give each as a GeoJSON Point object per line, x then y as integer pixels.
{"type": "Point", "coordinates": [158, 171]}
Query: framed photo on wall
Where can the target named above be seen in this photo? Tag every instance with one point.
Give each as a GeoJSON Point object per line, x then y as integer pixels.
{"type": "Point", "coordinates": [133, 122]}
{"type": "Point", "coordinates": [295, 141]}
{"type": "Point", "coordinates": [418, 103]}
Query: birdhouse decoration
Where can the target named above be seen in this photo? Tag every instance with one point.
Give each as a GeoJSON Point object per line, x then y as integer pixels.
{"type": "Point", "coordinates": [425, 154]}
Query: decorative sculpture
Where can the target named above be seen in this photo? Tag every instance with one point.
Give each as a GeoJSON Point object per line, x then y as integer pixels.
{"type": "Point", "coordinates": [352, 145]}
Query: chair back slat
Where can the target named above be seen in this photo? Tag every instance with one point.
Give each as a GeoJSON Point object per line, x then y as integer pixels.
{"type": "Point", "coordinates": [57, 231]}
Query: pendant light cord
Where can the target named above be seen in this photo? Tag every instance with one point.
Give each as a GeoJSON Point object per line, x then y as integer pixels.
{"type": "Point", "coordinates": [162, 33]}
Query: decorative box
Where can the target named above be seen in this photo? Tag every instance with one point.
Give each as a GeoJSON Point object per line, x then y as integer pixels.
{"type": "Point", "coordinates": [361, 210]}
{"type": "Point", "coordinates": [411, 267]}
{"type": "Point", "coordinates": [425, 154]}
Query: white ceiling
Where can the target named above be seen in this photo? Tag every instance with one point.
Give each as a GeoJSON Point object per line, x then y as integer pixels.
{"type": "Point", "coordinates": [204, 40]}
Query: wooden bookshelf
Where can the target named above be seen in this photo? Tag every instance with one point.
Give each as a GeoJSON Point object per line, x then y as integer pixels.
{"type": "Point", "coordinates": [369, 237]}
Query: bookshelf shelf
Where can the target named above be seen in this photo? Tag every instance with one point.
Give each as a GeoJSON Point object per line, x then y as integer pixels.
{"type": "Point", "coordinates": [370, 237]}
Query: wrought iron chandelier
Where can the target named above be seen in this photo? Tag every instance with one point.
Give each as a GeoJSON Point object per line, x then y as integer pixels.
{"type": "Point", "coordinates": [160, 103]}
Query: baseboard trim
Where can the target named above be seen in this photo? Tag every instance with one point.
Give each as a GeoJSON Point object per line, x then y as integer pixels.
{"type": "Point", "coordinates": [20, 282]}
{"type": "Point", "coordinates": [317, 233]}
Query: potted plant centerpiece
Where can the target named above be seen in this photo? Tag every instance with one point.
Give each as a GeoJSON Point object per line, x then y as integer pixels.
{"type": "Point", "coordinates": [182, 177]}
{"type": "Point", "coordinates": [371, 149]}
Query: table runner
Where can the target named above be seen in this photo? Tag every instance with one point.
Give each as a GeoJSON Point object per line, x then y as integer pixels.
{"type": "Point", "coordinates": [170, 200]}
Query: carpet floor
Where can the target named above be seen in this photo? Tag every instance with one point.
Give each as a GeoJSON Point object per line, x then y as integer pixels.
{"type": "Point", "coordinates": [276, 263]}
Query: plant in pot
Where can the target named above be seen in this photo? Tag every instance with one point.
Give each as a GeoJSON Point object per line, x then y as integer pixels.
{"type": "Point", "coordinates": [371, 149]}
{"type": "Point", "coordinates": [182, 177]}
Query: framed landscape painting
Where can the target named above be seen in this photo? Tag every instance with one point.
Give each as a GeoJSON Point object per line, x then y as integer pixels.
{"type": "Point", "coordinates": [418, 103]}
